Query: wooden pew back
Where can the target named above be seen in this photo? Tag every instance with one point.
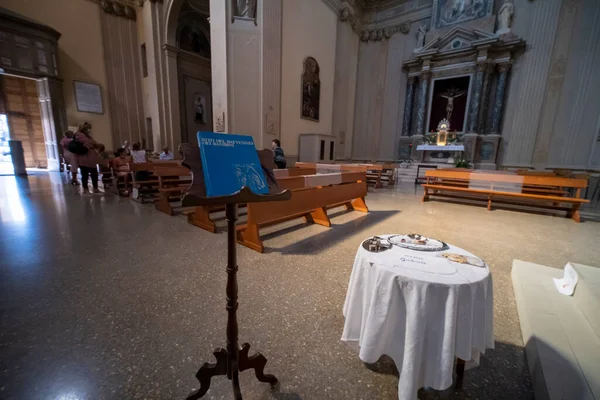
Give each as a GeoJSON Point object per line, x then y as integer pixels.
{"type": "Point", "coordinates": [306, 181]}
{"type": "Point", "coordinates": [509, 178]}
{"type": "Point", "coordinates": [287, 172]}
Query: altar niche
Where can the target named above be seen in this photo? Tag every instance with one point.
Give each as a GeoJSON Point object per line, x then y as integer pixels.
{"type": "Point", "coordinates": [449, 98]}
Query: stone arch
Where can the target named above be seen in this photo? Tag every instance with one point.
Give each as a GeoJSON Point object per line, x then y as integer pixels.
{"type": "Point", "coordinates": [173, 8]}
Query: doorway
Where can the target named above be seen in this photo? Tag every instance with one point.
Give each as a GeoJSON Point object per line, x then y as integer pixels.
{"type": "Point", "coordinates": [20, 119]}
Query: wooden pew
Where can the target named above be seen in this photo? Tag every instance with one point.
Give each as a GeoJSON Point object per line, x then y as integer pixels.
{"type": "Point", "coordinates": [144, 184]}
{"type": "Point", "coordinates": [311, 203]}
{"type": "Point", "coordinates": [525, 190]}
{"type": "Point", "coordinates": [331, 168]}
{"type": "Point", "coordinates": [201, 217]}
{"type": "Point", "coordinates": [173, 181]}
{"type": "Point", "coordinates": [284, 173]}
{"type": "Point", "coordinates": [377, 174]}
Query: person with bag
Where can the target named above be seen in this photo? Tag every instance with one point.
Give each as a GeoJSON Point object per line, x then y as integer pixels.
{"type": "Point", "coordinates": [87, 158]}
{"type": "Point", "coordinates": [70, 157]}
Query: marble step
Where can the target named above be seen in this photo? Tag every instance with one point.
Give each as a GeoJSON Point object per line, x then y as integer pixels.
{"type": "Point", "coordinates": [587, 294]}
{"type": "Point", "coordinates": [561, 346]}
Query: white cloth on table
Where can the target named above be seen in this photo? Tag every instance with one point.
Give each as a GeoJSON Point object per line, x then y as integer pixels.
{"type": "Point", "coordinates": [420, 309]}
{"type": "Point", "coordinates": [323, 179]}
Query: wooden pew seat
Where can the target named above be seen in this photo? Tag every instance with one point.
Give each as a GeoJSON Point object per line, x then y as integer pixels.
{"type": "Point", "coordinates": [173, 181]}
{"type": "Point", "coordinates": [310, 203]}
{"type": "Point", "coordinates": [144, 184]}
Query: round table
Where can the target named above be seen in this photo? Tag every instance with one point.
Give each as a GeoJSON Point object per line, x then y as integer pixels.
{"type": "Point", "coordinates": [422, 310]}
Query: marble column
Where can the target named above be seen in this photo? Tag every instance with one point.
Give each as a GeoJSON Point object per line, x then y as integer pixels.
{"type": "Point", "coordinates": [485, 98]}
{"type": "Point", "coordinates": [499, 99]}
{"type": "Point", "coordinates": [422, 101]}
{"type": "Point", "coordinates": [473, 122]}
{"type": "Point", "coordinates": [408, 105]}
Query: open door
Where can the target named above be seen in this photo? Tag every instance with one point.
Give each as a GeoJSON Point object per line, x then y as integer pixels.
{"type": "Point", "coordinates": [52, 115]}
{"type": "Point", "coordinates": [24, 121]}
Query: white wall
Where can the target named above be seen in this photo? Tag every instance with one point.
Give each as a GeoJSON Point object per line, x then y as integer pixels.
{"type": "Point", "coordinates": [380, 91]}
{"type": "Point", "coordinates": [346, 64]}
{"type": "Point", "coordinates": [309, 29]}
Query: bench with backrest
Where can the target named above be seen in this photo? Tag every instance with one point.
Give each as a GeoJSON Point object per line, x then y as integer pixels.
{"type": "Point", "coordinates": [550, 192]}
{"type": "Point", "coordinates": [331, 168]}
{"type": "Point", "coordinates": [377, 174]}
{"type": "Point", "coordinates": [173, 181]}
{"type": "Point", "coordinates": [203, 216]}
{"type": "Point", "coordinates": [310, 201]}
{"type": "Point", "coordinates": [294, 171]}
{"type": "Point", "coordinates": [144, 185]}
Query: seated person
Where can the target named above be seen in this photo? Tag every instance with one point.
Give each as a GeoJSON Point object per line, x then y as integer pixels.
{"type": "Point", "coordinates": [139, 156]}
{"type": "Point", "coordinates": [278, 155]}
{"type": "Point", "coordinates": [166, 154]}
{"type": "Point", "coordinates": [119, 164]}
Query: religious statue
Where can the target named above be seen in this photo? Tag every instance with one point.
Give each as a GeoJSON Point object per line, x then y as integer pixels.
{"type": "Point", "coordinates": [311, 90]}
{"type": "Point", "coordinates": [450, 95]}
{"type": "Point", "coordinates": [505, 17]}
{"type": "Point", "coordinates": [244, 8]}
{"type": "Point", "coordinates": [199, 105]}
{"type": "Point", "coordinates": [421, 36]}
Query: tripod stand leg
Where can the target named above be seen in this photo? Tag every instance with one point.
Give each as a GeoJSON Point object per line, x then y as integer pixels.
{"type": "Point", "coordinates": [207, 371]}
{"type": "Point", "coordinates": [256, 362]}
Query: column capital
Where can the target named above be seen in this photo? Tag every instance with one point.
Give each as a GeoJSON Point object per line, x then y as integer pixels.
{"type": "Point", "coordinates": [425, 75]}
{"type": "Point", "coordinates": [483, 66]}
{"type": "Point", "coordinates": [411, 80]}
{"type": "Point", "coordinates": [504, 67]}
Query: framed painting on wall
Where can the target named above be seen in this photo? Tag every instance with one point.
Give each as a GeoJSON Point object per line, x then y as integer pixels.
{"type": "Point", "coordinates": [88, 97]}
{"type": "Point", "coordinates": [311, 90]}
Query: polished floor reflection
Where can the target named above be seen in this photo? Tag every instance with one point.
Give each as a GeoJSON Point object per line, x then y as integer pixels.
{"type": "Point", "coordinates": [103, 298]}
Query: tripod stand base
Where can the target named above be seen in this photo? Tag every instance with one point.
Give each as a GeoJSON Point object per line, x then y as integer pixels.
{"type": "Point", "coordinates": [230, 367]}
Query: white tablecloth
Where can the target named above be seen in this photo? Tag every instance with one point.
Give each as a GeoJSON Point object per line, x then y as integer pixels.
{"type": "Point", "coordinates": [420, 309]}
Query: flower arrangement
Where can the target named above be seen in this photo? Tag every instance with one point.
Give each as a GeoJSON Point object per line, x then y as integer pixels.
{"type": "Point", "coordinates": [462, 163]}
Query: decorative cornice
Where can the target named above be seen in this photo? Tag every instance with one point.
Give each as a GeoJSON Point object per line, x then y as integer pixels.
{"type": "Point", "coordinates": [118, 8]}
{"type": "Point", "coordinates": [345, 14]}
{"type": "Point", "coordinates": [379, 30]}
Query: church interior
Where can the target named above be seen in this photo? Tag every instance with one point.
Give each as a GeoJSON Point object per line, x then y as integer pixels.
{"type": "Point", "coordinates": [413, 212]}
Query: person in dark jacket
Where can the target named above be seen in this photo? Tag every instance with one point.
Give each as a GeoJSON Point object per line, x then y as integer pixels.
{"type": "Point", "coordinates": [278, 155]}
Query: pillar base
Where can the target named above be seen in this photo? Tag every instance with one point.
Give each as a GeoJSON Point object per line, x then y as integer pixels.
{"type": "Point", "coordinates": [487, 151]}
{"type": "Point", "coordinates": [405, 150]}
{"type": "Point", "coordinates": [417, 155]}
{"type": "Point", "coordinates": [470, 143]}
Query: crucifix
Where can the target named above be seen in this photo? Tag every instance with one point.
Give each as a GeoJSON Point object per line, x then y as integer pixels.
{"type": "Point", "coordinates": [450, 95]}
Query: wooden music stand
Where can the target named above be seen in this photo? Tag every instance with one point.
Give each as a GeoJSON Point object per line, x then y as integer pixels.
{"type": "Point", "coordinates": [232, 360]}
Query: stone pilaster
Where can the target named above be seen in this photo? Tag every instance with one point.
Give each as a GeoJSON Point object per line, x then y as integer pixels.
{"type": "Point", "coordinates": [422, 101]}
{"type": "Point", "coordinates": [473, 121]}
{"type": "Point", "coordinates": [499, 99]}
{"type": "Point", "coordinates": [408, 105]}
{"type": "Point", "coordinates": [485, 98]}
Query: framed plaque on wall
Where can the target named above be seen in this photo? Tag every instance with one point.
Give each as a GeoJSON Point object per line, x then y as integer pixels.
{"type": "Point", "coordinates": [88, 97]}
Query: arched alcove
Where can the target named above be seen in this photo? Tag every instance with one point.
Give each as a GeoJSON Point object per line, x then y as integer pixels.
{"type": "Point", "coordinates": [188, 30]}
